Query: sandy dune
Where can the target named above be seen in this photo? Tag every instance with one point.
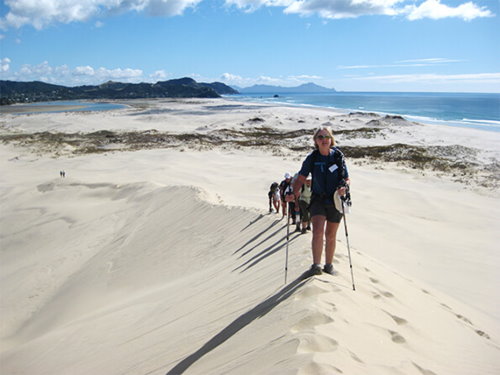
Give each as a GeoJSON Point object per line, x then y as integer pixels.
{"type": "Point", "coordinates": [167, 262]}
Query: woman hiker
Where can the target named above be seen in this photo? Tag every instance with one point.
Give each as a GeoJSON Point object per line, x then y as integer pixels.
{"type": "Point", "coordinates": [329, 174]}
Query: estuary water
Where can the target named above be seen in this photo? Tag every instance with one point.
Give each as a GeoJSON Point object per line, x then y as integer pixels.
{"type": "Point", "coordinates": [61, 106]}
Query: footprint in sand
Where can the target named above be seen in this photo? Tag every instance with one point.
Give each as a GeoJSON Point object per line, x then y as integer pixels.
{"type": "Point", "coordinates": [482, 334]}
{"type": "Point", "coordinates": [315, 343]}
{"type": "Point", "coordinates": [355, 357]}
{"type": "Point", "coordinates": [461, 317]}
{"type": "Point", "coordinates": [399, 321]}
{"type": "Point", "coordinates": [376, 295]}
{"type": "Point", "coordinates": [468, 321]}
{"type": "Point", "coordinates": [312, 320]}
{"type": "Point", "coordinates": [375, 281]}
{"type": "Point", "coordinates": [397, 338]}
{"type": "Point", "coordinates": [313, 289]}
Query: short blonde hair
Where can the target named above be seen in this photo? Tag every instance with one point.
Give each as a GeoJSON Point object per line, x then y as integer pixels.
{"type": "Point", "coordinates": [328, 130]}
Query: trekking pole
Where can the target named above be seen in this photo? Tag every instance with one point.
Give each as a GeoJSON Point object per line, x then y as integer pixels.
{"type": "Point", "coordinates": [347, 239]}
{"type": "Point", "coordinates": [287, 240]}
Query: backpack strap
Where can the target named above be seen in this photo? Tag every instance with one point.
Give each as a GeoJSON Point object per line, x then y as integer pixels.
{"type": "Point", "coordinates": [337, 158]}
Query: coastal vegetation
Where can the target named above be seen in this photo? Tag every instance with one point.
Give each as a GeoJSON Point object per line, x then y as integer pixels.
{"type": "Point", "coordinates": [455, 161]}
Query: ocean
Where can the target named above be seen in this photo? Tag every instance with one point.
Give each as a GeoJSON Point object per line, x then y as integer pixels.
{"type": "Point", "coordinates": [471, 110]}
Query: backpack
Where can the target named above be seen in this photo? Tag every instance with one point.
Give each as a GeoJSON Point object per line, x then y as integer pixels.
{"type": "Point", "coordinates": [337, 158]}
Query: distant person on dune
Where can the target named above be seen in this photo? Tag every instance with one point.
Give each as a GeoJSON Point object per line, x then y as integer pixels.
{"type": "Point", "coordinates": [329, 174]}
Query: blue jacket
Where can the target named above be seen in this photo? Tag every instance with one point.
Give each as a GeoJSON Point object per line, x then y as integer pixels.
{"type": "Point", "coordinates": [327, 173]}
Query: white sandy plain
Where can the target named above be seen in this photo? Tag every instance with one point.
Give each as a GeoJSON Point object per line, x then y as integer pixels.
{"type": "Point", "coordinates": [165, 261]}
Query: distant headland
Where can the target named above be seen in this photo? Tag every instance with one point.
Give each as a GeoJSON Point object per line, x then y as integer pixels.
{"type": "Point", "coordinates": [27, 92]}
{"type": "Point", "coordinates": [268, 89]}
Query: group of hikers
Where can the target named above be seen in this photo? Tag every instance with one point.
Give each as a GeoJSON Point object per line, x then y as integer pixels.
{"type": "Point", "coordinates": [281, 197]}
{"type": "Point", "coordinates": [309, 198]}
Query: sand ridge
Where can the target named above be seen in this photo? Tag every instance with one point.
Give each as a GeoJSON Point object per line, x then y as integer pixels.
{"type": "Point", "coordinates": [162, 261]}
{"type": "Point", "coordinates": [216, 304]}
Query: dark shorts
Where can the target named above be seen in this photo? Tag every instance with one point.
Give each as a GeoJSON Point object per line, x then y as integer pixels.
{"type": "Point", "coordinates": [304, 210]}
{"type": "Point", "coordinates": [328, 210]}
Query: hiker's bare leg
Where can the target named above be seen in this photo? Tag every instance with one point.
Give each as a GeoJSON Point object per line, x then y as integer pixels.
{"type": "Point", "coordinates": [331, 241]}
{"type": "Point", "coordinates": [318, 234]}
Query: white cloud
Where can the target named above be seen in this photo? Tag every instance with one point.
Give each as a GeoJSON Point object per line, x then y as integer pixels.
{"type": "Point", "coordinates": [337, 9]}
{"type": "Point", "coordinates": [429, 82]}
{"type": "Point", "coordinates": [343, 8]}
{"type": "Point", "coordinates": [305, 77]}
{"type": "Point", "coordinates": [42, 13]}
{"type": "Point", "coordinates": [253, 5]}
{"type": "Point", "coordinates": [228, 77]}
{"type": "Point", "coordinates": [4, 64]}
{"type": "Point", "coordinates": [168, 7]}
{"type": "Point", "coordinates": [404, 63]}
{"type": "Point", "coordinates": [64, 75]}
{"type": "Point", "coordinates": [234, 79]}
{"type": "Point", "coordinates": [126, 74]}
{"type": "Point", "coordinates": [435, 10]}
{"type": "Point", "coordinates": [34, 71]}
{"type": "Point", "coordinates": [159, 75]}
{"type": "Point", "coordinates": [84, 71]}
{"type": "Point", "coordinates": [433, 78]}
{"type": "Point", "coordinates": [429, 61]}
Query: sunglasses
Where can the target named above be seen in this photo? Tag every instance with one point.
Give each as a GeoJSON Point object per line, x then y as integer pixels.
{"type": "Point", "coordinates": [321, 137]}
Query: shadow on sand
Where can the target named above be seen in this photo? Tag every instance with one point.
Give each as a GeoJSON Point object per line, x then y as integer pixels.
{"type": "Point", "coordinates": [237, 325]}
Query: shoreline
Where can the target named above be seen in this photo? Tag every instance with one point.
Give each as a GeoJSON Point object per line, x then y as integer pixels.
{"type": "Point", "coordinates": [487, 124]}
{"type": "Point", "coordinates": [465, 121]}
{"type": "Point", "coordinates": [463, 155]}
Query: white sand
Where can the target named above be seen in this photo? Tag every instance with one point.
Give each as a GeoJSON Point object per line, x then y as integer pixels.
{"type": "Point", "coordinates": [161, 261]}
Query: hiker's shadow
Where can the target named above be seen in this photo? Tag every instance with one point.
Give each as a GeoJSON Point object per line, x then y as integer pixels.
{"type": "Point", "coordinates": [237, 325]}
{"type": "Point", "coordinates": [267, 252]}
{"type": "Point", "coordinates": [257, 236]}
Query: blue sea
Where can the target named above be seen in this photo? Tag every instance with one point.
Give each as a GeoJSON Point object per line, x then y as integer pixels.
{"type": "Point", "coordinates": [471, 110]}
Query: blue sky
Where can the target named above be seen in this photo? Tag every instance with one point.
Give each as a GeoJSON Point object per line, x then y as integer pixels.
{"type": "Point", "coordinates": [350, 45]}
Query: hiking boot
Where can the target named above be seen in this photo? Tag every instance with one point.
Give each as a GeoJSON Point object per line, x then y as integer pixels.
{"type": "Point", "coordinates": [304, 230]}
{"type": "Point", "coordinates": [297, 229]}
{"type": "Point", "coordinates": [328, 268]}
{"type": "Point", "coordinates": [315, 270]}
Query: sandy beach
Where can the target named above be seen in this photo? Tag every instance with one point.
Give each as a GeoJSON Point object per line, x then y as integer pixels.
{"type": "Point", "coordinates": [157, 255]}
